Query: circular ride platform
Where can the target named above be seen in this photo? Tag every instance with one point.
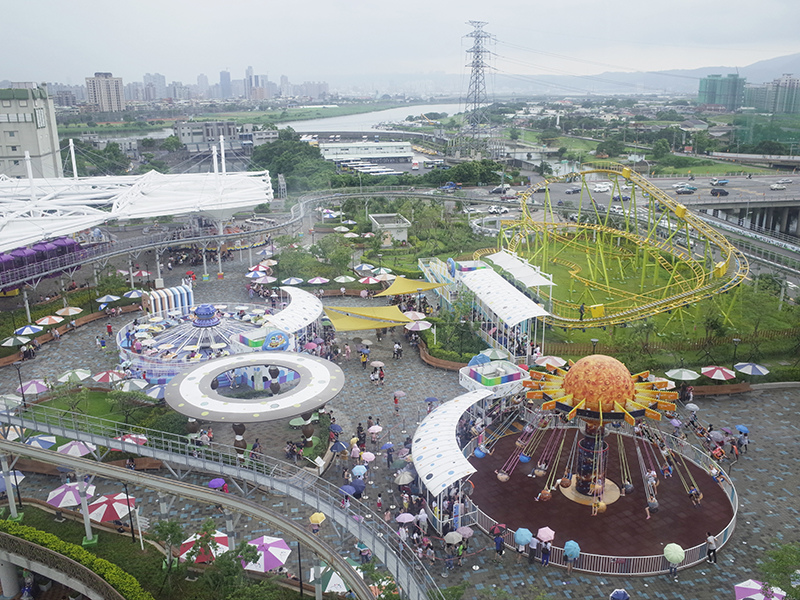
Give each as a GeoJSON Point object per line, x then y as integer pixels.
{"type": "Point", "coordinates": [623, 530]}
{"type": "Point", "coordinates": [315, 381]}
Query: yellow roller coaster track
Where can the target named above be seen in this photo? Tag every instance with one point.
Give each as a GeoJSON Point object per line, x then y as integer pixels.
{"type": "Point", "coordinates": [703, 283]}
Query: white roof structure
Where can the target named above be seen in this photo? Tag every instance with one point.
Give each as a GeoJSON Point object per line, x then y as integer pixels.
{"type": "Point", "coordinates": [33, 210]}
{"type": "Point", "coordinates": [304, 309]}
{"type": "Point", "coordinates": [438, 459]}
{"type": "Point", "coordinates": [521, 270]}
{"type": "Point", "coordinates": [502, 298]}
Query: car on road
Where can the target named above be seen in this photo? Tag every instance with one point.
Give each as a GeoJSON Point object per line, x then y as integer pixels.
{"type": "Point", "coordinates": [680, 184]}
{"type": "Point", "coordinates": [777, 186]}
{"type": "Point", "coordinates": [784, 181]}
{"type": "Point", "coordinates": [684, 191]}
{"type": "Point", "coordinates": [623, 198]}
{"type": "Point", "coordinates": [540, 190]}
{"type": "Point", "coordinates": [573, 190]}
{"type": "Point", "coordinates": [501, 189]}
{"type": "Point", "coordinates": [720, 182]}
{"type": "Point", "coordinates": [509, 197]}
{"type": "Point", "coordinates": [689, 187]}
{"type": "Point", "coordinates": [719, 192]}
{"type": "Point", "coordinates": [497, 210]}
{"type": "Point", "coordinates": [601, 187]}
{"type": "Point", "coordinates": [470, 210]}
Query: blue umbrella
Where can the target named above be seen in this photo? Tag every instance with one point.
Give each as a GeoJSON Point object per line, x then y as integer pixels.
{"type": "Point", "coordinates": [336, 428]}
{"type": "Point", "coordinates": [387, 445]}
{"type": "Point", "coordinates": [134, 294]}
{"type": "Point", "coordinates": [364, 350]}
{"type": "Point", "coordinates": [292, 281]}
{"type": "Point", "coordinates": [358, 485]}
{"type": "Point", "coordinates": [572, 550]}
{"type": "Point", "coordinates": [347, 490]}
{"type": "Point", "coordinates": [338, 447]}
{"type": "Point", "coordinates": [523, 536]}
{"type": "Point", "coordinates": [619, 594]}
{"type": "Point", "coordinates": [751, 368]}
{"type": "Point", "coordinates": [28, 330]}
{"type": "Point", "coordinates": [431, 400]}
{"type": "Point", "coordinates": [359, 470]}
{"type": "Point", "coordinates": [742, 429]}
{"type": "Point", "coordinates": [478, 359]}
{"type": "Point", "coordinates": [42, 441]}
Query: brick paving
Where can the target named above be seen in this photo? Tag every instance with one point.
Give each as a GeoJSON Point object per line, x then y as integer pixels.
{"type": "Point", "coordinates": [766, 478]}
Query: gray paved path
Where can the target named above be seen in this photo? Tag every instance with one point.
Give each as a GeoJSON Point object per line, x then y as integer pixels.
{"type": "Point", "coordinates": [766, 478]}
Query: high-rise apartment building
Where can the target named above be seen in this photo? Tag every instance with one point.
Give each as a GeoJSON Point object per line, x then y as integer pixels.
{"type": "Point", "coordinates": [159, 83]}
{"type": "Point", "coordinates": [202, 85]}
{"type": "Point", "coordinates": [725, 91]}
{"type": "Point", "coordinates": [28, 123]}
{"type": "Point", "coordinates": [106, 92]}
{"type": "Point", "coordinates": [225, 84]}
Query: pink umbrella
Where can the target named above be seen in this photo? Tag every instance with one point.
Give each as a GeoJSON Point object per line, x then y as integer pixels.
{"type": "Point", "coordinates": [310, 346]}
{"type": "Point", "coordinates": [550, 362]}
{"type": "Point", "coordinates": [415, 315]}
{"type": "Point", "coordinates": [111, 507]}
{"type": "Point", "coordinates": [266, 279]}
{"type": "Point", "coordinates": [68, 494]}
{"type": "Point", "coordinates": [368, 280]}
{"type": "Point", "coordinates": [405, 518]}
{"type": "Point", "coordinates": [76, 448]}
{"type": "Point", "coordinates": [108, 376]}
{"type": "Point", "coordinates": [720, 373]}
{"type": "Point", "coordinates": [318, 280]}
{"type": "Point", "coordinates": [375, 429]}
{"type": "Point", "coordinates": [418, 325]}
{"type": "Point", "coordinates": [34, 386]}
{"type": "Point", "coordinates": [219, 545]}
{"type": "Point", "coordinates": [546, 534]}
{"type": "Point", "coordinates": [363, 293]}
{"type": "Point", "coordinates": [369, 234]}
{"type": "Point", "coordinates": [754, 590]}
{"type": "Point", "coordinates": [368, 457]}
{"type": "Point", "coordinates": [466, 532]}
{"type": "Point", "coordinates": [273, 553]}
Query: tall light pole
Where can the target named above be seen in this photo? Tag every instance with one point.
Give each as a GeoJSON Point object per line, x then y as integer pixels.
{"type": "Point", "coordinates": [18, 367]}
{"type": "Point", "coordinates": [736, 342]}
{"type": "Point", "coordinates": [594, 345]}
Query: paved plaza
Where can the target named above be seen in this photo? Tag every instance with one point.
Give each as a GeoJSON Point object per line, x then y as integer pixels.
{"type": "Point", "coordinates": [766, 478]}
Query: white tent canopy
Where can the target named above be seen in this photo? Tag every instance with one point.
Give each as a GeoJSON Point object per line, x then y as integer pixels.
{"type": "Point", "coordinates": [304, 309]}
{"type": "Point", "coordinates": [521, 270]}
{"type": "Point", "coordinates": [54, 207]}
{"type": "Point", "coordinates": [510, 305]}
{"type": "Point", "coordinates": [438, 459]}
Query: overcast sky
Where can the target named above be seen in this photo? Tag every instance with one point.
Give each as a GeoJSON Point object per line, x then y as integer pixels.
{"type": "Point", "coordinates": [312, 40]}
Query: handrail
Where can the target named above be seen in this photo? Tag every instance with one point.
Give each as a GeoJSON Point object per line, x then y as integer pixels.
{"type": "Point", "coordinates": [49, 562]}
{"type": "Point", "coordinates": [409, 572]}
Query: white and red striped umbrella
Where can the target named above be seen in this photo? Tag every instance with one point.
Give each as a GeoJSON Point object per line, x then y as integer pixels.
{"type": "Point", "coordinates": [69, 494]}
{"type": "Point", "coordinates": [715, 372]}
{"type": "Point", "coordinates": [259, 267]}
{"type": "Point", "coordinates": [108, 376]}
{"type": "Point", "coordinates": [133, 438]}
{"type": "Point", "coordinates": [141, 273]}
{"type": "Point", "coordinates": [111, 507]}
{"type": "Point", "coordinates": [218, 546]}
{"type": "Point", "coordinates": [318, 280]}
{"type": "Point", "coordinates": [76, 448]}
{"type": "Point", "coordinates": [368, 280]}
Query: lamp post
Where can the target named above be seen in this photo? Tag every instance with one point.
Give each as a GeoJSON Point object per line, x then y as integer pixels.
{"type": "Point", "coordinates": [462, 322]}
{"type": "Point", "coordinates": [594, 345]}
{"type": "Point", "coordinates": [736, 342]}
{"type": "Point", "coordinates": [130, 512]}
{"type": "Point", "coordinates": [18, 367]}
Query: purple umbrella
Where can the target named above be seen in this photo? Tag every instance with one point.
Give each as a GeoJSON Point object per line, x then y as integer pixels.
{"type": "Point", "coordinates": [68, 494]}
{"type": "Point", "coordinates": [675, 422]}
{"type": "Point", "coordinates": [34, 386]}
{"type": "Point", "coordinates": [347, 490]}
{"type": "Point", "coordinates": [274, 552]}
{"type": "Point", "coordinates": [359, 485]}
{"type": "Point", "coordinates": [217, 483]}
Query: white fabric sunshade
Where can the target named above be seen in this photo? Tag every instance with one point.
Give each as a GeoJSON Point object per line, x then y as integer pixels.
{"type": "Point", "coordinates": [304, 308]}
{"type": "Point", "coordinates": [438, 459]}
{"type": "Point", "coordinates": [503, 299]}
{"type": "Point", "coordinates": [520, 269]}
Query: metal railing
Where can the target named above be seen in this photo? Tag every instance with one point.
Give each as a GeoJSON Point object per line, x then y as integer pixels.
{"type": "Point", "coordinates": [602, 564]}
{"type": "Point", "coordinates": [409, 572]}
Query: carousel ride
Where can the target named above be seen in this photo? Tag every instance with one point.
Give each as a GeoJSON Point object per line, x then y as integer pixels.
{"type": "Point", "coordinates": [629, 249]}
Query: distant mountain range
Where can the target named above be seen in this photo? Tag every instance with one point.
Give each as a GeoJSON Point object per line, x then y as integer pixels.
{"type": "Point", "coordinates": [677, 81]}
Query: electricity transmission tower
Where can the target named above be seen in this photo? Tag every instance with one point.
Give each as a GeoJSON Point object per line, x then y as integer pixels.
{"type": "Point", "coordinates": [476, 132]}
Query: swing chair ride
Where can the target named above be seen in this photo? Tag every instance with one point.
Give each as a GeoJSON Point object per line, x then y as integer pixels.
{"type": "Point", "coordinates": [601, 393]}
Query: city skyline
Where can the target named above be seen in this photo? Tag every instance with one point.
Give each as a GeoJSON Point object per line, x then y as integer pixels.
{"type": "Point", "coordinates": [319, 41]}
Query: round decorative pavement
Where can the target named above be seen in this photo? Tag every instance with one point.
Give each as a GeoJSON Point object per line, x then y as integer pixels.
{"type": "Point", "coordinates": [314, 382]}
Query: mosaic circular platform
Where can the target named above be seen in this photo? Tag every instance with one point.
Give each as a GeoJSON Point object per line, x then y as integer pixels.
{"type": "Point", "coordinates": [315, 382]}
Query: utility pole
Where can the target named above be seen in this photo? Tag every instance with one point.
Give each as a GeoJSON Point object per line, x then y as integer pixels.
{"type": "Point", "coordinates": [475, 134]}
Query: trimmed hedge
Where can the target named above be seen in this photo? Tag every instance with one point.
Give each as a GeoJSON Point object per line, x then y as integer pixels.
{"type": "Point", "coordinates": [121, 581]}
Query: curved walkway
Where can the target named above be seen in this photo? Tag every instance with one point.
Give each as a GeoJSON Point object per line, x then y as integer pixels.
{"type": "Point", "coordinates": [409, 573]}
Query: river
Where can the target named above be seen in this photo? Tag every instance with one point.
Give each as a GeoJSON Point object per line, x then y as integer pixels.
{"type": "Point", "coordinates": [366, 121]}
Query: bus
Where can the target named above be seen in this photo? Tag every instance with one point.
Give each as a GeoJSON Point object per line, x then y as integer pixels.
{"type": "Point", "coordinates": [433, 163]}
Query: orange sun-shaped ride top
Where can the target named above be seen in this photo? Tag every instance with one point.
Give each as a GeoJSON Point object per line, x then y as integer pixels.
{"type": "Point", "coordinates": [599, 380]}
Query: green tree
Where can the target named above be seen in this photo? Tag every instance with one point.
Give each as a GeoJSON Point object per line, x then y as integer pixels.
{"type": "Point", "coordinates": [514, 133]}
{"type": "Point", "coordinates": [287, 134]}
{"type": "Point", "coordinates": [661, 149]}
{"type": "Point", "coordinates": [264, 590]}
{"type": "Point", "coordinates": [226, 574]}
{"type": "Point", "coordinates": [169, 533]}
{"type": "Point", "coordinates": [172, 144]}
{"type": "Point", "coordinates": [127, 403]}
{"type": "Point", "coordinates": [770, 147]}
{"type": "Point", "coordinates": [782, 568]}
{"type": "Point", "coordinates": [147, 144]}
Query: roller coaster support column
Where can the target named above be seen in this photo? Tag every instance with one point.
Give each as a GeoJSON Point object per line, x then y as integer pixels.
{"type": "Point", "coordinates": [90, 538]}
{"type": "Point", "coordinates": [591, 463]}
{"type": "Point", "coordinates": [27, 304]}
{"type": "Point", "coordinates": [221, 230]}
